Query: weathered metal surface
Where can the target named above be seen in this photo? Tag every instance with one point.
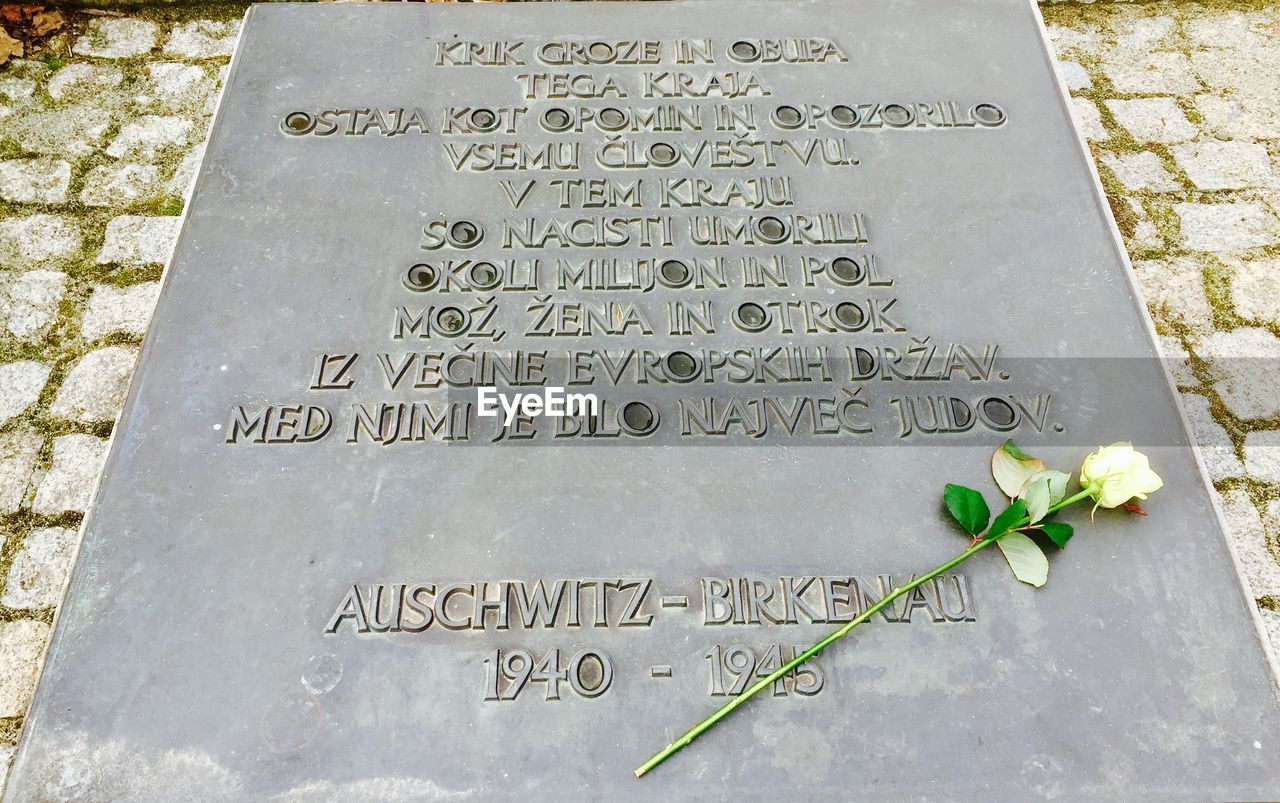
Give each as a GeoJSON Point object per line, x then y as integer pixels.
{"type": "Point", "coordinates": [938, 233]}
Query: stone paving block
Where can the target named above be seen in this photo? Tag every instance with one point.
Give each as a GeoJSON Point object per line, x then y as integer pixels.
{"type": "Point", "coordinates": [174, 87]}
{"type": "Point", "coordinates": [1246, 370]}
{"type": "Point", "coordinates": [117, 38]}
{"type": "Point", "coordinates": [1152, 119]}
{"type": "Point", "coordinates": [29, 302]}
{"type": "Point", "coordinates": [1238, 70]}
{"type": "Point", "coordinates": [211, 104]}
{"type": "Point", "coordinates": [1175, 289]}
{"type": "Point", "coordinates": [1088, 119]}
{"type": "Point", "coordinates": [1216, 448]}
{"type": "Point", "coordinates": [95, 387]}
{"type": "Point", "coordinates": [1151, 73]}
{"type": "Point", "coordinates": [1216, 165]}
{"type": "Point", "coordinates": [20, 386]}
{"type": "Point", "coordinates": [203, 39]}
{"type": "Point", "coordinates": [1140, 171]}
{"type": "Point", "coordinates": [16, 88]}
{"type": "Point", "coordinates": [39, 570]}
{"type": "Point", "coordinates": [119, 309]}
{"type": "Point", "coordinates": [1230, 29]}
{"type": "Point", "coordinates": [21, 645]}
{"type": "Point", "coordinates": [136, 240]}
{"type": "Point", "coordinates": [1143, 33]}
{"type": "Point", "coordinates": [1245, 97]}
{"type": "Point", "coordinates": [1244, 527]}
{"type": "Point", "coordinates": [1177, 360]}
{"type": "Point", "coordinates": [180, 183]}
{"type": "Point", "coordinates": [18, 452]}
{"type": "Point", "coordinates": [1255, 289]}
{"type": "Point", "coordinates": [1066, 39]}
{"type": "Point", "coordinates": [73, 477]}
{"type": "Point", "coordinates": [1227, 227]}
{"type": "Point", "coordinates": [1145, 234]}
{"type": "Point", "coordinates": [27, 242]}
{"type": "Point", "coordinates": [72, 131]}
{"type": "Point", "coordinates": [18, 83]}
{"type": "Point", "coordinates": [1262, 455]}
{"type": "Point", "coordinates": [43, 181]}
{"type": "Point", "coordinates": [120, 184]}
{"type": "Point", "coordinates": [1073, 75]}
{"type": "Point", "coordinates": [150, 136]}
{"type": "Point", "coordinates": [81, 80]}
{"type": "Point", "coordinates": [6, 760]}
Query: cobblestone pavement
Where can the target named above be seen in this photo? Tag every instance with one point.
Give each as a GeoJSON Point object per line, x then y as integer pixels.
{"type": "Point", "coordinates": [100, 134]}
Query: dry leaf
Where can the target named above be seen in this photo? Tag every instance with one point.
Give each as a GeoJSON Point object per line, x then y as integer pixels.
{"type": "Point", "coordinates": [18, 12]}
{"type": "Point", "coordinates": [46, 22]}
{"type": "Point", "coordinates": [8, 46]}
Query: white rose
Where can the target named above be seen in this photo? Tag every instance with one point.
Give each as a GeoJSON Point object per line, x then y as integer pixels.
{"type": "Point", "coordinates": [1117, 473]}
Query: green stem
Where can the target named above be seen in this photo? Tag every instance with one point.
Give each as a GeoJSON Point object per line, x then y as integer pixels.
{"type": "Point", "coordinates": [1076, 497]}
{"type": "Point", "coordinates": [764, 683]}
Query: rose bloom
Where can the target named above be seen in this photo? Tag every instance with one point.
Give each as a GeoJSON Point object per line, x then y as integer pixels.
{"type": "Point", "coordinates": [1120, 473]}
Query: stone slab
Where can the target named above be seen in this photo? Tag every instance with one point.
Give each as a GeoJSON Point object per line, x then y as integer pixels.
{"type": "Point", "coordinates": [203, 650]}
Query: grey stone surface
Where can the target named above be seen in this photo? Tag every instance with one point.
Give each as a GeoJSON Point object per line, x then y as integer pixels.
{"type": "Point", "coordinates": [116, 309]}
{"type": "Point", "coordinates": [259, 289]}
{"type": "Point", "coordinates": [34, 240]}
{"type": "Point", "coordinates": [138, 240]}
{"type": "Point", "coordinates": [1152, 119]}
{"type": "Point", "coordinates": [1140, 171]}
{"type": "Point", "coordinates": [39, 570]}
{"type": "Point", "coordinates": [1243, 363]}
{"type": "Point", "coordinates": [1255, 289]}
{"type": "Point", "coordinates": [82, 80]}
{"type": "Point", "coordinates": [29, 302]}
{"type": "Point", "coordinates": [18, 452]}
{"type": "Point", "coordinates": [42, 181]}
{"type": "Point", "coordinates": [94, 388]}
{"type": "Point", "coordinates": [1262, 455]}
{"type": "Point", "coordinates": [1214, 165]}
{"type": "Point", "coordinates": [1227, 227]}
{"type": "Point", "coordinates": [117, 38]}
{"type": "Point", "coordinates": [21, 643]}
{"type": "Point", "coordinates": [121, 184]}
{"type": "Point", "coordinates": [73, 477]}
{"type": "Point", "coordinates": [20, 386]}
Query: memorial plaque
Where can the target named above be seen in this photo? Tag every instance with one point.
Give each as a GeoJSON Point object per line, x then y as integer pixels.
{"type": "Point", "coordinates": [792, 266]}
